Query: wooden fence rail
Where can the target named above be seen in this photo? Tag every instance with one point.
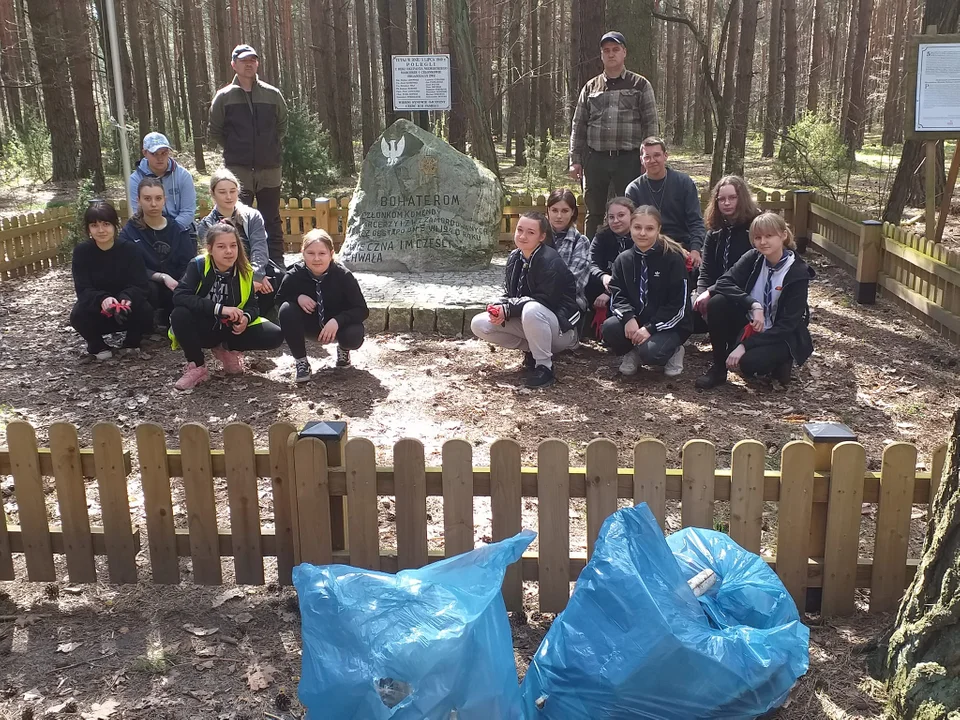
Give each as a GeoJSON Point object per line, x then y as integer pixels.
{"type": "Point", "coordinates": [309, 495]}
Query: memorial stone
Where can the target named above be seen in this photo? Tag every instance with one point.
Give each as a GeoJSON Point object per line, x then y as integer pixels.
{"type": "Point", "coordinates": [421, 206]}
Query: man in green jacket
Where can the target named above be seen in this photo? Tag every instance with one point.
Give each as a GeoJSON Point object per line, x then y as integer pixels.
{"type": "Point", "coordinates": [248, 118]}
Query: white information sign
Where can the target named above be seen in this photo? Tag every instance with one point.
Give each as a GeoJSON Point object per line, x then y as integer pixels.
{"type": "Point", "coordinates": [421, 82]}
{"type": "Point", "coordinates": [938, 88]}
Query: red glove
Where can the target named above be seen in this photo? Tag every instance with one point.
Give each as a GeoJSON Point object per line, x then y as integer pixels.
{"type": "Point", "coordinates": [747, 332]}
{"type": "Point", "coordinates": [494, 310]}
{"type": "Point", "coordinates": [689, 262]}
{"type": "Point", "coordinates": [599, 316]}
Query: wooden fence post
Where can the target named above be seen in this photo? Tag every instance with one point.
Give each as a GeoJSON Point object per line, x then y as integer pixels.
{"type": "Point", "coordinates": [843, 530]}
{"type": "Point", "coordinates": [801, 219]}
{"type": "Point", "coordinates": [868, 261]}
{"type": "Point", "coordinates": [321, 213]}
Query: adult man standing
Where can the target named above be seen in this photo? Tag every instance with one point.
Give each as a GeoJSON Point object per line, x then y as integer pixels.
{"type": "Point", "coordinates": [248, 118]}
{"type": "Point", "coordinates": [178, 189]}
{"type": "Point", "coordinates": [674, 194]}
{"type": "Point", "coordinates": [615, 111]}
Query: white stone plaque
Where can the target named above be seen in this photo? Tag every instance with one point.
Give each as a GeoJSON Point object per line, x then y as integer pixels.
{"type": "Point", "coordinates": [421, 82]}
{"type": "Point", "coordinates": [938, 88]}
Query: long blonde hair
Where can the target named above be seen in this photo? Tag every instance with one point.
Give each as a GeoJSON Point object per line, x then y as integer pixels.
{"type": "Point", "coordinates": [668, 244]}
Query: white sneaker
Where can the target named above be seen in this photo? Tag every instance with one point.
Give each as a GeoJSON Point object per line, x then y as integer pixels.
{"type": "Point", "coordinates": [630, 363]}
{"type": "Point", "coordinates": [674, 365]}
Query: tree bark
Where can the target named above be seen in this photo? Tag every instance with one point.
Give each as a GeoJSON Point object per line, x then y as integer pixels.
{"type": "Point", "coordinates": [393, 41]}
{"type": "Point", "coordinates": [462, 40]}
{"type": "Point", "coordinates": [142, 99]}
{"type": "Point", "coordinates": [288, 59]}
{"type": "Point", "coordinates": [221, 46]}
{"type": "Point", "coordinates": [76, 24]}
{"type": "Point", "coordinates": [708, 118]}
{"type": "Point", "coordinates": [518, 127]}
{"type": "Point", "coordinates": [770, 126]}
{"type": "Point", "coordinates": [851, 48]}
{"type": "Point", "coordinates": [344, 75]}
{"type": "Point", "coordinates": [592, 24]}
{"type": "Point", "coordinates": [856, 107]}
{"type": "Point", "coordinates": [55, 83]}
{"type": "Point", "coordinates": [634, 19]}
{"type": "Point", "coordinates": [172, 96]}
{"type": "Point", "coordinates": [679, 79]}
{"type": "Point", "coordinates": [670, 31]}
{"type": "Point", "coordinates": [10, 62]}
{"type": "Point", "coordinates": [741, 102]}
{"type": "Point", "coordinates": [892, 117]}
{"type": "Point", "coordinates": [457, 119]}
{"type": "Point", "coordinates": [193, 83]}
{"type": "Point", "coordinates": [732, 29]}
{"type": "Point", "coordinates": [533, 82]}
{"type": "Point", "coordinates": [322, 47]}
{"type": "Point", "coordinates": [368, 123]}
{"type": "Point", "coordinates": [816, 58]}
{"type": "Point", "coordinates": [923, 655]}
{"type": "Point", "coordinates": [790, 55]}
{"type": "Point", "coordinates": [156, 90]}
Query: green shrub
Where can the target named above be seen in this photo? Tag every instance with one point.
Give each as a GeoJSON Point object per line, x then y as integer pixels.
{"type": "Point", "coordinates": [547, 164]}
{"type": "Point", "coordinates": [814, 155]}
{"type": "Point", "coordinates": [307, 167]}
{"type": "Point", "coordinates": [28, 152]}
{"type": "Point", "coordinates": [76, 230]}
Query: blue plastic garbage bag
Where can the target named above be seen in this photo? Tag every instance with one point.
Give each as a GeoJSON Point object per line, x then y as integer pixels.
{"type": "Point", "coordinates": [634, 641]}
{"type": "Point", "coordinates": [427, 644]}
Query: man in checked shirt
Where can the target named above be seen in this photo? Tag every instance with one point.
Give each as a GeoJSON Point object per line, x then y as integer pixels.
{"type": "Point", "coordinates": [615, 111]}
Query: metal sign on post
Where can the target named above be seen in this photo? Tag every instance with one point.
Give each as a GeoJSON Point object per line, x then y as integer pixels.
{"type": "Point", "coordinates": [421, 82]}
{"type": "Point", "coordinates": [933, 112]}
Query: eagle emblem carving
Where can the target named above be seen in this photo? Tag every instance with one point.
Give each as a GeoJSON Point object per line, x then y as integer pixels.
{"type": "Point", "coordinates": [392, 149]}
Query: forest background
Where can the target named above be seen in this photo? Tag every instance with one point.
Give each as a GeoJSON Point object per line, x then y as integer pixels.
{"type": "Point", "coordinates": [796, 93]}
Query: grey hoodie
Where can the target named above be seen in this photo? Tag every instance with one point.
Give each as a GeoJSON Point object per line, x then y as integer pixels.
{"type": "Point", "coordinates": [252, 231]}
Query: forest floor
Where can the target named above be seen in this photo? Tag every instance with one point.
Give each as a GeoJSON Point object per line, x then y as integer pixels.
{"type": "Point", "coordinates": [875, 369]}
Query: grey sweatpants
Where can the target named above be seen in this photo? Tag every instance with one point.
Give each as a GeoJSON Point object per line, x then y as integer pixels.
{"type": "Point", "coordinates": [536, 331]}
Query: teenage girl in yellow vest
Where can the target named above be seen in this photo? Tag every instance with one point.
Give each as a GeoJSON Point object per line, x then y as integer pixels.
{"type": "Point", "coordinates": [215, 307]}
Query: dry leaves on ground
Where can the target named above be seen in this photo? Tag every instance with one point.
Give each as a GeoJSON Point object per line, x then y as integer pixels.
{"type": "Point", "coordinates": [101, 711]}
{"type": "Point", "coordinates": [259, 677]}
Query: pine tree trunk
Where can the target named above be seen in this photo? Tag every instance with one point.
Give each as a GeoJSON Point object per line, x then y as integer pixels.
{"type": "Point", "coordinates": [851, 47]}
{"type": "Point", "coordinates": [816, 58]}
{"type": "Point", "coordinates": [55, 83]}
{"type": "Point", "coordinates": [203, 66]}
{"type": "Point", "coordinates": [173, 98]}
{"type": "Point", "coordinates": [729, 87]}
{"type": "Point", "coordinates": [592, 24]}
{"type": "Point", "coordinates": [741, 101]}
{"type": "Point", "coordinates": [545, 89]}
{"type": "Point", "coordinates": [368, 124]}
{"type": "Point", "coordinates": [680, 79]}
{"type": "Point", "coordinates": [126, 66]}
{"type": "Point", "coordinates": [30, 94]}
{"type": "Point", "coordinates": [708, 118]}
{"type": "Point", "coordinates": [193, 83]}
{"type": "Point", "coordinates": [770, 125]}
{"type": "Point", "coordinates": [533, 95]}
{"type": "Point", "coordinates": [288, 59]}
{"type": "Point", "coordinates": [892, 117]}
{"type": "Point", "coordinates": [462, 41]}
{"type": "Point", "coordinates": [457, 120]}
{"type": "Point", "coordinates": [76, 24]}
{"type": "Point", "coordinates": [573, 74]}
{"type": "Point", "coordinates": [790, 56]}
{"type": "Point", "coordinates": [517, 122]}
{"type": "Point", "coordinates": [669, 99]}
{"type": "Point", "coordinates": [156, 91]}
{"type": "Point", "coordinates": [222, 47]}
{"type": "Point", "coordinates": [10, 63]}
{"type": "Point", "coordinates": [923, 654]}
{"type": "Point", "coordinates": [344, 84]}
{"type": "Point", "coordinates": [856, 106]}
{"type": "Point", "coordinates": [142, 99]}
{"type": "Point", "coordinates": [393, 39]}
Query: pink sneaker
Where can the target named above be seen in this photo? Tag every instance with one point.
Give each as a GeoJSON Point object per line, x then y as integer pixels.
{"type": "Point", "coordinates": [192, 376]}
{"type": "Point", "coordinates": [232, 360]}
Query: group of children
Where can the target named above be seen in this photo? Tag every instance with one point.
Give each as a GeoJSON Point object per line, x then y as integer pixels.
{"type": "Point", "coordinates": [644, 294]}
{"type": "Point", "coordinates": [631, 282]}
{"type": "Point", "coordinates": [148, 275]}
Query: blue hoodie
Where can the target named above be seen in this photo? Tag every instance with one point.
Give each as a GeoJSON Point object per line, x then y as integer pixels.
{"type": "Point", "coordinates": [181, 195]}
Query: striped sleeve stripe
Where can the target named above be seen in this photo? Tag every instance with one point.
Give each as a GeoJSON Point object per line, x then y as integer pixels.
{"type": "Point", "coordinates": [679, 316]}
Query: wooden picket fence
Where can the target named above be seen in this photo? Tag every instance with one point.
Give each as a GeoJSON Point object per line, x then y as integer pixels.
{"type": "Point", "coordinates": [314, 482]}
{"type": "Point", "coordinates": [917, 274]}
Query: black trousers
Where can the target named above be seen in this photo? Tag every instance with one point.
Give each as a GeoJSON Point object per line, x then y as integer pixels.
{"type": "Point", "coordinates": [298, 325]}
{"type": "Point", "coordinates": [92, 325]}
{"type": "Point", "coordinates": [725, 322]}
{"type": "Point", "coordinates": [606, 176]}
{"type": "Point", "coordinates": [655, 351]}
{"type": "Point", "coordinates": [268, 203]}
{"type": "Point", "coordinates": [161, 298]}
{"type": "Point", "coordinates": [195, 331]}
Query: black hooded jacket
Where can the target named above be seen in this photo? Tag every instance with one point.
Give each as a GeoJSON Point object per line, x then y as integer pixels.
{"type": "Point", "coordinates": [793, 313]}
{"type": "Point", "coordinates": [342, 299]}
{"type": "Point", "coordinates": [668, 300]}
{"type": "Point", "coordinates": [549, 282]}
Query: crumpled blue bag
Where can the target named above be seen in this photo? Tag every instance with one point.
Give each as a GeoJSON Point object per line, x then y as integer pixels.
{"type": "Point", "coordinates": [634, 641]}
{"type": "Point", "coordinates": [427, 644]}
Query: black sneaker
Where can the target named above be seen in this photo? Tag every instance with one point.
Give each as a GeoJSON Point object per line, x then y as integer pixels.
{"type": "Point", "coordinates": [541, 377]}
{"type": "Point", "coordinates": [528, 362]}
{"type": "Point", "coordinates": [712, 378]}
{"type": "Point", "coordinates": [343, 357]}
{"type": "Point", "coordinates": [782, 372]}
{"type": "Point", "coordinates": [303, 371]}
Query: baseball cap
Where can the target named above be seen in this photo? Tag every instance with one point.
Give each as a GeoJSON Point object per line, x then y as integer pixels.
{"type": "Point", "coordinates": [243, 51]}
{"type": "Point", "coordinates": [613, 36]}
{"type": "Point", "coordinates": [154, 141]}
